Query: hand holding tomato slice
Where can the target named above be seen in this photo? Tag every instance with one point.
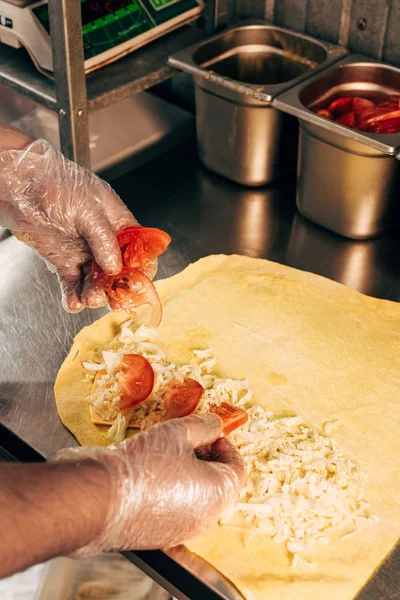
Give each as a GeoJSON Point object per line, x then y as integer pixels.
{"type": "Point", "coordinates": [136, 380]}
{"type": "Point", "coordinates": [232, 416]}
{"type": "Point", "coordinates": [182, 398]}
{"type": "Point", "coordinates": [131, 287]}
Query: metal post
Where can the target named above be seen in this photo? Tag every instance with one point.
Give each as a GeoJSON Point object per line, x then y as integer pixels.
{"type": "Point", "coordinates": [211, 14]}
{"type": "Point", "coordinates": [69, 73]}
{"type": "Point", "coordinates": [232, 12]}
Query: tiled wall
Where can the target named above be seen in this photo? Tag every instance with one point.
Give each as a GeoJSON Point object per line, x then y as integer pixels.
{"type": "Point", "coordinates": [371, 27]}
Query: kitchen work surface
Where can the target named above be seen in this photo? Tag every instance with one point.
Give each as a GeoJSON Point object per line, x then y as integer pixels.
{"type": "Point", "coordinates": [105, 577]}
{"type": "Point", "coordinates": [205, 215]}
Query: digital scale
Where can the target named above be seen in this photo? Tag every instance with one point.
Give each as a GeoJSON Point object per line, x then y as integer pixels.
{"type": "Point", "coordinates": [110, 28]}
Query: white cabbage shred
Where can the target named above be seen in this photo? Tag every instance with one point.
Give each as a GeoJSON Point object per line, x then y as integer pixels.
{"type": "Point", "coordinates": [300, 484]}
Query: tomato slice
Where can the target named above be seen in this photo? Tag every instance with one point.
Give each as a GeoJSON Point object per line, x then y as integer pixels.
{"type": "Point", "coordinates": [372, 116]}
{"type": "Point", "coordinates": [232, 416]}
{"type": "Point", "coordinates": [364, 117]}
{"type": "Point", "coordinates": [140, 246]}
{"type": "Point", "coordinates": [341, 105]}
{"type": "Point", "coordinates": [349, 119]}
{"type": "Point", "coordinates": [128, 290]}
{"type": "Point", "coordinates": [322, 112]}
{"type": "Point", "coordinates": [389, 104]}
{"type": "Point", "coordinates": [136, 380]}
{"type": "Point", "coordinates": [394, 114]}
{"type": "Point", "coordinates": [361, 104]}
{"type": "Point", "coordinates": [394, 101]}
{"type": "Point", "coordinates": [388, 126]}
{"type": "Point", "coordinates": [182, 398]}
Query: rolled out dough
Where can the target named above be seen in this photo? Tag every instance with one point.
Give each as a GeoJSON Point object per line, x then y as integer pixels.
{"type": "Point", "coordinates": [308, 346]}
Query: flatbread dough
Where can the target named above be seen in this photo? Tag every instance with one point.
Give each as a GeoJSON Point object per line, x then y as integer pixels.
{"type": "Point", "coordinates": [308, 346]}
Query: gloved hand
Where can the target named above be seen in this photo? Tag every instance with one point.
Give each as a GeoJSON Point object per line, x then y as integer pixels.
{"type": "Point", "coordinates": [66, 214]}
{"type": "Point", "coordinates": [161, 493]}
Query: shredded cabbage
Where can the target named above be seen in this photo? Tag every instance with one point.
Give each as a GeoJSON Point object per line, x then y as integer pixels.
{"type": "Point", "coordinates": [300, 484]}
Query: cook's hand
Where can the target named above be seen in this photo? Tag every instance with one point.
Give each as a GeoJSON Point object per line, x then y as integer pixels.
{"type": "Point", "coordinates": [66, 214]}
{"type": "Point", "coordinates": [161, 492]}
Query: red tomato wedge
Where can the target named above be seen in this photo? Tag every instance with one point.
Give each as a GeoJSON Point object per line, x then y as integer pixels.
{"type": "Point", "coordinates": [128, 290]}
{"type": "Point", "coordinates": [232, 416]}
{"type": "Point", "coordinates": [182, 398]}
{"type": "Point", "coordinates": [140, 246]}
{"type": "Point", "coordinates": [136, 380]}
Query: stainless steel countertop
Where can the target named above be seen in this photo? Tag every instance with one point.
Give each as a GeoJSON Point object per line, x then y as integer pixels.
{"type": "Point", "coordinates": [205, 214]}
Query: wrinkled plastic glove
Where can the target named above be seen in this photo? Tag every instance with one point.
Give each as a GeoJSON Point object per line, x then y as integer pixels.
{"type": "Point", "coordinates": [161, 492]}
{"type": "Point", "coordinates": [66, 214]}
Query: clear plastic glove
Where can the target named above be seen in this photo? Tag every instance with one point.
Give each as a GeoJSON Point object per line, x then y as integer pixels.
{"type": "Point", "coordinates": [161, 492]}
{"type": "Point", "coordinates": [66, 214]}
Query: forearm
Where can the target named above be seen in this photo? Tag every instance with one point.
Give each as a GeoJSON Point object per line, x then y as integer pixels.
{"type": "Point", "coordinates": [12, 139]}
{"type": "Point", "coordinates": [49, 510]}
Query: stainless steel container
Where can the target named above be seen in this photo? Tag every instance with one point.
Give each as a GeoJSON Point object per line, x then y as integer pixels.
{"type": "Point", "coordinates": [348, 180]}
{"type": "Point", "coordinates": [237, 74]}
{"type": "Point", "coordinates": [241, 137]}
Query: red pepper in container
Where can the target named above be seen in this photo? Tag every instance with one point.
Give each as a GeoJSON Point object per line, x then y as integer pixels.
{"type": "Point", "coordinates": [364, 114]}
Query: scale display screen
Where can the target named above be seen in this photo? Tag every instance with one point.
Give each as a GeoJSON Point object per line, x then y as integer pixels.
{"type": "Point", "coordinates": [108, 23]}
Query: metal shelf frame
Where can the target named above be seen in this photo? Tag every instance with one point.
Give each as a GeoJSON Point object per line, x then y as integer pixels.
{"type": "Point", "coordinates": [72, 94]}
{"type": "Point", "coordinates": [70, 80]}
